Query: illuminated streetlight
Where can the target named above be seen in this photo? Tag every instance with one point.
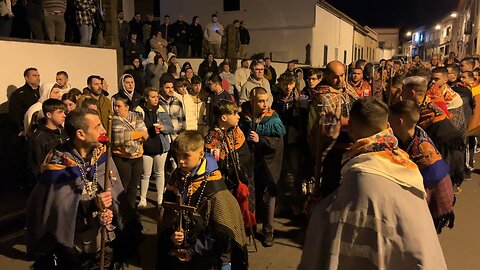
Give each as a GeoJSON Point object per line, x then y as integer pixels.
{"type": "Point", "coordinates": [409, 34]}
{"type": "Point", "coordinates": [438, 27]}
{"type": "Point", "coordinates": [453, 15]}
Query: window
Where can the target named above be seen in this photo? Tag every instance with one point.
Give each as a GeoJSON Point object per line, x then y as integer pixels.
{"type": "Point", "coordinates": [336, 53]}
{"type": "Point", "coordinates": [362, 53]}
{"type": "Point", "coordinates": [345, 56]}
{"type": "Point", "coordinates": [355, 56]}
{"type": "Point", "coordinates": [231, 5]}
{"type": "Point", "coordinates": [381, 44]}
{"type": "Point", "coordinates": [325, 55]}
{"type": "Point", "coordinates": [447, 33]}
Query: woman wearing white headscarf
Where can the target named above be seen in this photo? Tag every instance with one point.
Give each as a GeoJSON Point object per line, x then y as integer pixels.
{"type": "Point", "coordinates": [34, 113]}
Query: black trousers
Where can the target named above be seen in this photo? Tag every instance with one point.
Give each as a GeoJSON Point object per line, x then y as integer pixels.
{"type": "Point", "coordinates": [331, 172]}
{"type": "Point", "coordinates": [182, 49]}
{"type": "Point", "coordinates": [130, 172]}
{"type": "Point", "coordinates": [36, 26]}
{"type": "Point", "coordinates": [196, 49]}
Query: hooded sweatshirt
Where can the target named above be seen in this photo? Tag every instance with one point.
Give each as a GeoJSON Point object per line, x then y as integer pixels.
{"type": "Point", "coordinates": [45, 90]}
{"type": "Point", "coordinates": [133, 96]}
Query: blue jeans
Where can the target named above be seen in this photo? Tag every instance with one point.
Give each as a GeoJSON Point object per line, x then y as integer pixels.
{"type": "Point", "coordinates": [86, 34]}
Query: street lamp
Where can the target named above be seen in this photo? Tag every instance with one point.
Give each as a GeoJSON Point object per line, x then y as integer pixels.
{"type": "Point", "coordinates": [437, 27]}
{"type": "Point", "coordinates": [453, 15]}
{"type": "Point", "coordinates": [409, 34]}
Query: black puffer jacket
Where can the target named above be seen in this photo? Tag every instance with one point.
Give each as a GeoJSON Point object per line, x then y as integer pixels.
{"type": "Point", "coordinates": [40, 143]}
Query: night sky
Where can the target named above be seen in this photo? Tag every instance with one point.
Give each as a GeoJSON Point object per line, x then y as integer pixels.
{"type": "Point", "coordinates": [406, 14]}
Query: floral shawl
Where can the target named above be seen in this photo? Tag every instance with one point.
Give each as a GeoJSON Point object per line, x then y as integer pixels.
{"type": "Point", "coordinates": [379, 154]}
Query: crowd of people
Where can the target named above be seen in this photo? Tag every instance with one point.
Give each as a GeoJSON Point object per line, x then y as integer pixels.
{"type": "Point", "coordinates": [82, 21]}
{"type": "Point", "coordinates": [373, 154]}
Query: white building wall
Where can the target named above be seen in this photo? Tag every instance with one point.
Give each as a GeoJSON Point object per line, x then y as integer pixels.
{"type": "Point", "coordinates": [358, 44]}
{"type": "Point", "coordinates": [389, 36]}
{"type": "Point", "coordinates": [282, 28]}
{"type": "Point", "coordinates": [283, 44]}
{"type": "Point", "coordinates": [78, 61]}
{"type": "Point", "coordinates": [333, 32]}
{"type": "Point", "coordinates": [257, 14]}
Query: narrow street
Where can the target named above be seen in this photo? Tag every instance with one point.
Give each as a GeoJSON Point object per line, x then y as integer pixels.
{"type": "Point", "coordinates": [461, 245]}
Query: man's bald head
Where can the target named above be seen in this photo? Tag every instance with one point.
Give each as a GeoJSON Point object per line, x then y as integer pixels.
{"type": "Point", "coordinates": [334, 75]}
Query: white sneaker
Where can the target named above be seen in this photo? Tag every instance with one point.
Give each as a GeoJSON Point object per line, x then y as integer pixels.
{"type": "Point", "coordinates": [142, 203]}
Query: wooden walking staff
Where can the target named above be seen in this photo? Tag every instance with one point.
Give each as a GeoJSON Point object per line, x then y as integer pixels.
{"type": "Point", "coordinates": [230, 153]}
{"type": "Point", "coordinates": [106, 185]}
{"type": "Point", "coordinates": [390, 87]}
{"type": "Point", "coordinates": [372, 84]}
{"type": "Point", "coordinates": [253, 109]}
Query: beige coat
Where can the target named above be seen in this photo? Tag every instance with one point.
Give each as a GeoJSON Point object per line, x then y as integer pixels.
{"type": "Point", "coordinates": [371, 222]}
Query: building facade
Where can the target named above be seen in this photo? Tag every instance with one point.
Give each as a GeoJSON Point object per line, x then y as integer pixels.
{"type": "Point", "coordinates": [467, 27]}
{"type": "Point", "coordinates": [307, 31]}
{"type": "Point", "coordinates": [388, 42]}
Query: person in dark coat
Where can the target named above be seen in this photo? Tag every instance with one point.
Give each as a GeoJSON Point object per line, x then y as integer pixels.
{"type": "Point", "coordinates": [216, 95]}
{"type": "Point", "coordinates": [133, 49]}
{"type": "Point", "coordinates": [180, 29]}
{"type": "Point", "coordinates": [136, 26]}
{"type": "Point", "coordinates": [167, 31]}
{"type": "Point", "coordinates": [24, 97]}
{"type": "Point", "coordinates": [48, 135]}
{"type": "Point", "coordinates": [208, 67]}
{"type": "Point", "coordinates": [138, 74]}
{"type": "Point", "coordinates": [195, 33]}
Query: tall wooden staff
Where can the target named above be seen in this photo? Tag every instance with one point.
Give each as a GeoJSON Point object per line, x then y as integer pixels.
{"type": "Point", "coordinates": [390, 87]}
{"type": "Point", "coordinates": [106, 186]}
{"type": "Point", "coordinates": [372, 80]}
{"type": "Point", "coordinates": [253, 108]}
{"type": "Point", "coordinates": [345, 68]}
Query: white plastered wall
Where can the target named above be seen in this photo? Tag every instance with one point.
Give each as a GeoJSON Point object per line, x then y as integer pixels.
{"type": "Point", "coordinates": [79, 62]}
{"type": "Point", "coordinates": [335, 33]}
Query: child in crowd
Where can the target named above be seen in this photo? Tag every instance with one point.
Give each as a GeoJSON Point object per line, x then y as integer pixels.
{"type": "Point", "coordinates": [211, 235]}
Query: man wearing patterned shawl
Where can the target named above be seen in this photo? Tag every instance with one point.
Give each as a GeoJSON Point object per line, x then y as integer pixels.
{"type": "Point", "coordinates": [378, 218]}
{"type": "Point", "coordinates": [452, 99]}
{"type": "Point", "coordinates": [435, 122]}
{"type": "Point", "coordinates": [403, 118]}
{"type": "Point", "coordinates": [69, 204]}
{"type": "Point", "coordinates": [326, 130]}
